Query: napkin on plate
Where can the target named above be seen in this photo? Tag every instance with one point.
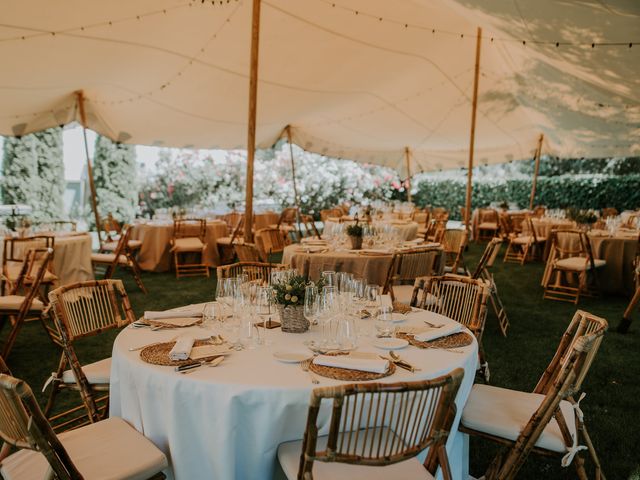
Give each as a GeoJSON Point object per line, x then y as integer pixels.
{"type": "Point", "coordinates": [374, 365]}
{"type": "Point", "coordinates": [190, 311]}
{"type": "Point", "coordinates": [178, 322]}
{"type": "Point", "coordinates": [434, 333]}
{"type": "Point", "coordinates": [182, 349]}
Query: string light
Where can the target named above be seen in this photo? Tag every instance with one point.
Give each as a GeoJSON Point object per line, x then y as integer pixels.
{"type": "Point", "coordinates": [407, 25]}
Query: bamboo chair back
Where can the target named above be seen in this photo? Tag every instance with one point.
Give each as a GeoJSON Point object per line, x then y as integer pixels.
{"type": "Point", "coordinates": [310, 226]}
{"type": "Point", "coordinates": [420, 217]}
{"type": "Point", "coordinates": [189, 228]}
{"type": "Point", "coordinates": [23, 425]}
{"type": "Point", "coordinates": [288, 216]}
{"type": "Point", "coordinates": [247, 252]}
{"type": "Point", "coordinates": [440, 213]}
{"type": "Point", "coordinates": [517, 221]}
{"type": "Point", "coordinates": [488, 257]}
{"type": "Point", "coordinates": [378, 424]}
{"type": "Point", "coordinates": [505, 226]}
{"type": "Point", "coordinates": [408, 265]}
{"type": "Point", "coordinates": [460, 298]}
{"type": "Point", "coordinates": [539, 211]}
{"type": "Point", "coordinates": [15, 249]}
{"type": "Point", "coordinates": [255, 271]}
{"type": "Point", "coordinates": [633, 221]}
{"type": "Point", "coordinates": [609, 212]}
{"type": "Point", "coordinates": [583, 324]}
{"type": "Point", "coordinates": [232, 219]}
{"type": "Point", "coordinates": [488, 215]}
{"type": "Point", "coordinates": [89, 308]}
{"type": "Point", "coordinates": [111, 228]}
{"type": "Point", "coordinates": [531, 229]}
{"type": "Point", "coordinates": [121, 249]}
{"type": "Point", "coordinates": [268, 241]}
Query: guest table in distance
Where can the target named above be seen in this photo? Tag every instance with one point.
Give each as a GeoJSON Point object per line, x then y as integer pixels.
{"type": "Point", "coordinates": [227, 422]}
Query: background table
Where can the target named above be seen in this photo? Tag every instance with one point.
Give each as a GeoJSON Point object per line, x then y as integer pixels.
{"type": "Point", "coordinates": [155, 253]}
{"type": "Point", "coordinates": [227, 422]}
{"type": "Point", "coordinates": [408, 230]}
{"type": "Point", "coordinates": [71, 257]}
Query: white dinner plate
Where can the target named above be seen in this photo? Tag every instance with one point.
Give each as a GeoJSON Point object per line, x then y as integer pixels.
{"type": "Point", "coordinates": [390, 343]}
{"type": "Point", "coordinates": [291, 357]}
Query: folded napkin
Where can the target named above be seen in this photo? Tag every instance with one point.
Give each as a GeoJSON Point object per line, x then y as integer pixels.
{"type": "Point", "coordinates": [434, 333]}
{"type": "Point", "coordinates": [190, 311]}
{"type": "Point", "coordinates": [182, 349]}
{"type": "Point", "coordinates": [375, 365]}
{"type": "Point", "coordinates": [178, 322]}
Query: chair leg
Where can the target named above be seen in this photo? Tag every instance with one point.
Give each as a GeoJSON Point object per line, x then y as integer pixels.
{"type": "Point", "coordinates": [582, 428]}
{"type": "Point", "coordinates": [13, 334]}
{"type": "Point", "coordinates": [54, 385]}
{"type": "Point", "coordinates": [623, 327]}
{"type": "Point", "coordinates": [137, 274]}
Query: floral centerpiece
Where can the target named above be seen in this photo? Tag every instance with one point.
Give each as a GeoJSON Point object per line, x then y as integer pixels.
{"type": "Point", "coordinates": [582, 217]}
{"type": "Point", "coordinates": [355, 233]}
{"type": "Point", "coordinates": [289, 299]}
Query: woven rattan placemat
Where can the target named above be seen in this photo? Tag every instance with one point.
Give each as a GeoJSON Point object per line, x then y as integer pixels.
{"type": "Point", "coordinates": [457, 340]}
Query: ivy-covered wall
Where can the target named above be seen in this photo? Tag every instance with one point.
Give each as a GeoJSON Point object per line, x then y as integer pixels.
{"type": "Point", "coordinates": [114, 172]}
{"type": "Point", "coordinates": [591, 191]}
{"type": "Point", "coordinates": [33, 173]}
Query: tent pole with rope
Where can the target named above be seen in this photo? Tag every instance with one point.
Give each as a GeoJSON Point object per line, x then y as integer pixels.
{"type": "Point", "coordinates": [535, 172]}
{"type": "Point", "coordinates": [407, 155]}
{"type": "Point", "coordinates": [474, 107]}
{"type": "Point", "coordinates": [296, 199]}
{"type": "Point", "coordinates": [92, 185]}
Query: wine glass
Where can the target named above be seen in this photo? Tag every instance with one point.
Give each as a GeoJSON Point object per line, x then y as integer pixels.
{"type": "Point", "coordinates": [372, 296]}
{"type": "Point", "coordinates": [384, 323]}
{"type": "Point", "coordinates": [326, 312]}
{"type": "Point", "coordinates": [209, 314]}
{"type": "Point", "coordinates": [311, 306]}
{"type": "Point", "coordinates": [330, 278]}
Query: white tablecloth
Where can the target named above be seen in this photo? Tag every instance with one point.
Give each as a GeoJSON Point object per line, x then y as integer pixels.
{"type": "Point", "coordinates": [227, 422]}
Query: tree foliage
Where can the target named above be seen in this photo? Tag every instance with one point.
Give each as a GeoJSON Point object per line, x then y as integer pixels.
{"type": "Point", "coordinates": [114, 170]}
{"type": "Point", "coordinates": [33, 173]}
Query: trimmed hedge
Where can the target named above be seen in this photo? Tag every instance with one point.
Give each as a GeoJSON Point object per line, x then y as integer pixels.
{"type": "Point", "coordinates": [580, 191]}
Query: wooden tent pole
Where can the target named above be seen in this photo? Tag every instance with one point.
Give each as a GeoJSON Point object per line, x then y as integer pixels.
{"type": "Point", "coordinates": [251, 133]}
{"type": "Point", "coordinates": [92, 185]}
{"type": "Point", "coordinates": [535, 172]}
{"type": "Point", "coordinates": [296, 199]}
{"type": "Point", "coordinates": [474, 107]}
{"type": "Point", "coordinates": [407, 157]}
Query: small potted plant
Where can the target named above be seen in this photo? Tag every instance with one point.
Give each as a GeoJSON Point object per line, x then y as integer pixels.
{"type": "Point", "coordinates": [355, 233]}
{"type": "Point", "coordinates": [504, 205]}
{"type": "Point", "coordinates": [584, 218]}
{"type": "Point", "coordinates": [289, 299]}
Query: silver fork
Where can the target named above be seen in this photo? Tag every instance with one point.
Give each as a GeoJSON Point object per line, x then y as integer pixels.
{"type": "Point", "coordinates": [304, 365]}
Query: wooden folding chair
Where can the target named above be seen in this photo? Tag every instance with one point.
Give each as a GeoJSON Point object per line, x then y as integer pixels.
{"type": "Point", "coordinates": [13, 255]}
{"type": "Point", "coordinates": [225, 244]}
{"type": "Point", "coordinates": [625, 323]}
{"type": "Point", "coordinates": [81, 310]}
{"type": "Point", "coordinates": [488, 224]}
{"type": "Point", "coordinates": [189, 239]}
{"type": "Point", "coordinates": [310, 226]}
{"type": "Point", "coordinates": [21, 302]}
{"type": "Point", "coordinates": [522, 247]}
{"type": "Point", "coordinates": [539, 211]}
{"type": "Point", "coordinates": [107, 263]}
{"type": "Point", "coordinates": [247, 252]}
{"type": "Point", "coordinates": [571, 256]}
{"type": "Point", "coordinates": [462, 299]}
{"type": "Point", "coordinates": [406, 267]}
{"type": "Point", "coordinates": [269, 241]}
{"type": "Point", "coordinates": [287, 222]}
{"type": "Point", "coordinates": [482, 271]}
{"type": "Point", "coordinates": [549, 420]}
{"type": "Point", "coordinates": [383, 425]}
{"type": "Point", "coordinates": [255, 271]}
{"type": "Point", "coordinates": [111, 232]}
{"type": "Point", "coordinates": [454, 242]}
{"type": "Point", "coordinates": [108, 449]}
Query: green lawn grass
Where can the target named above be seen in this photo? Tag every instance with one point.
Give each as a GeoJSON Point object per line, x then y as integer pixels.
{"type": "Point", "coordinates": [612, 386]}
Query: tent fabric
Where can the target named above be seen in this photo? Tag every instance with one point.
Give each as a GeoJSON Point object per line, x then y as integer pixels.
{"type": "Point", "coordinates": [357, 79]}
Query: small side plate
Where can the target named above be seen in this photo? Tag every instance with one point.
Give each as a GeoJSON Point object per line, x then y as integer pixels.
{"type": "Point", "coordinates": [290, 357]}
{"type": "Point", "coordinates": [390, 343]}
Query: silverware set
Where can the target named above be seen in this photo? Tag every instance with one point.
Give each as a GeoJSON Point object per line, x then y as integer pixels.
{"type": "Point", "coordinates": [304, 365]}
{"type": "Point", "coordinates": [190, 367]}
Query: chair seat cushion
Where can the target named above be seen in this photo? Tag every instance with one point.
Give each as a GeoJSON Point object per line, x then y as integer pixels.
{"type": "Point", "coordinates": [504, 413]}
{"type": "Point", "coordinates": [227, 240]}
{"type": "Point", "coordinates": [108, 258]}
{"type": "Point", "coordinates": [289, 458]}
{"type": "Point", "coordinates": [106, 450]}
{"type": "Point", "coordinates": [488, 226]}
{"type": "Point", "coordinates": [97, 373]}
{"type": "Point", "coordinates": [189, 244]}
{"type": "Point", "coordinates": [522, 240]}
{"type": "Point", "coordinates": [111, 246]}
{"type": "Point", "coordinates": [579, 263]}
{"type": "Point", "coordinates": [13, 302]}
{"type": "Point", "coordinates": [13, 272]}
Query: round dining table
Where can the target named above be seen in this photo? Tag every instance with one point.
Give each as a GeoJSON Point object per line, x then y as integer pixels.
{"type": "Point", "coordinates": [407, 230]}
{"type": "Point", "coordinates": [370, 264]}
{"type": "Point", "coordinates": [227, 422]}
{"type": "Point", "coordinates": [155, 252]}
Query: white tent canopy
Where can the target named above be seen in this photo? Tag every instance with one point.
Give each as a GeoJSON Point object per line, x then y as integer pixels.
{"type": "Point", "coordinates": [359, 79]}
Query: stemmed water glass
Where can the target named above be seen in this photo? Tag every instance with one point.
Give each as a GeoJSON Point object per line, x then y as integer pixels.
{"type": "Point", "coordinates": [311, 303]}
{"type": "Point", "coordinates": [327, 312]}
{"type": "Point", "coordinates": [329, 278]}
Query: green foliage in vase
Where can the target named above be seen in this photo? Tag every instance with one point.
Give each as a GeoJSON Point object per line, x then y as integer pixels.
{"type": "Point", "coordinates": [584, 217]}
{"type": "Point", "coordinates": [292, 292]}
{"type": "Point", "coordinates": [354, 230]}
{"type": "Point", "coordinates": [33, 173]}
{"type": "Point", "coordinates": [114, 172]}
